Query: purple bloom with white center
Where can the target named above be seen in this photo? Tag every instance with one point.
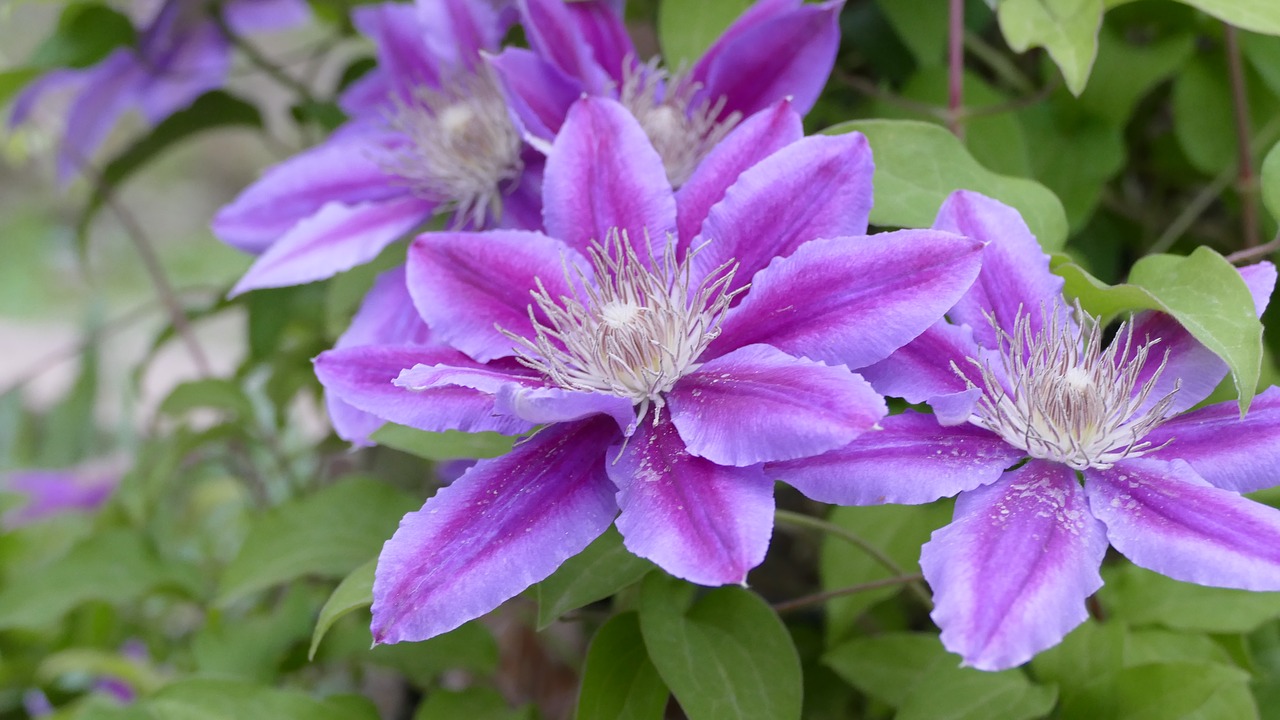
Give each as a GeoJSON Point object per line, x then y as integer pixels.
{"type": "Point", "coordinates": [181, 54]}
{"type": "Point", "coordinates": [50, 493]}
{"type": "Point", "coordinates": [777, 49]}
{"type": "Point", "coordinates": [1029, 403]}
{"type": "Point", "coordinates": [429, 133]}
{"type": "Point", "coordinates": [665, 365]}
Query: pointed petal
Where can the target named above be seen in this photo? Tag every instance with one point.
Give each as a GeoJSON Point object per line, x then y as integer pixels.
{"type": "Point", "coordinates": [1015, 273]}
{"type": "Point", "coordinates": [1165, 517]}
{"type": "Point", "coordinates": [337, 238]}
{"type": "Point", "coordinates": [758, 404]}
{"type": "Point", "coordinates": [364, 377]}
{"type": "Point", "coordinates": [706, 523]}
{"type": "Point", "coordinates": [554, 34]}
{"type": "Point", "coordinates": [538, 91]}
{"type": "Point", "coordinates": [853, 300]}
{"type": "Point", "coordinates": [1231, 452]}
{"type": "Point", "coordinates": [505, 524]}
{"type": "Point", "coordinates": [1011, 573]}
{"type": "Point", "coordinates": [921, 369]}
{"type": "Point", "coordinates": [601, 27]}
{"type": "Point", "coordinates": [912, 460]}
{"type": "Point", "coordinates": [403, 55]}
{"type": "Point", "coordinates": [465, 284]}
{"type": "Point", "coordinates": [57, 81]}
{"type": "Point", "coordinates": [542, 405]}
{"type": "Point", "coordinates": [198, 61]}
{"type": "Point", "coordinates": [787, 55]}
{"type": "Point", "coordinates": [758, 137]}
{"type": "Point", "coordinates": [387, 316]}
{"type": "Point", "coordinates": [602, 174]}
{"type": "Point", "coordinates": [456, 31]}
{"type": "Point", "coordinates": [1191, 367]}
{"type": "Point", "coordinates": [110, 89]}
{"type": "Point", "coordinates": [341, 170]}
{"type": "Point", "coordinates": [761, 217]}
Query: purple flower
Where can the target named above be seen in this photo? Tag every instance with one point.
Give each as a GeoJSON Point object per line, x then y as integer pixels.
{"type": "Point", "coordinates": [429, 132]}
{"type": "Point", "coordinates": [54, 492]}
{"type": "Point", "coordinates": [777, 49]}
{"type": "Point", "coordinates": [663, 379]}
{"type": "Point", "coordinates": [180, 55]}
{"type": "Point", "coordinates": [1031, 401]}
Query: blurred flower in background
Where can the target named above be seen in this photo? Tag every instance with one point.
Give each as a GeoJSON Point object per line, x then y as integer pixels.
{"type": "Point", "coordinates": [48, 493]}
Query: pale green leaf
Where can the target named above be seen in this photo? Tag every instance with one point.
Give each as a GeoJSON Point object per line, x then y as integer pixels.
{"type": "Point", "coordinates": [619, 682]}
{"type": "Point", "coordinates": [686, 29]}
{"type": "Point", "coordinates": [1068, 29]}
{"type": "Point", "coordinates": [1187, 691]}
{"type": "Point", "coordinates": [599, 571]}
{"type": "Point", "coordinates": [1261, 16]}
{"type": "Point", "coordinates": [206, 699]}
{"type": "Point", "coordinates": [919, 164]}
{"type": "Point", "coordinates": [354, 592]}
{"type": "Point", "coordinates": [1271, 182]}
{"type": "Point", "coordinates": [448, 445]}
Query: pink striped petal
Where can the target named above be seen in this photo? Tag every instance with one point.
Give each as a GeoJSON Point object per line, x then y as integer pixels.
{"type": "Point", "coordinates": [922, 369]}
{"type": "Point", "coordinates": [538, 92]}
{"type": "Point", "coordinates": [554, 34]}
{"type": "Point", "coordinates": [1231, 452]}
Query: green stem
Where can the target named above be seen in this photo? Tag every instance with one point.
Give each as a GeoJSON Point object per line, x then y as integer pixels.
{"type": "Point", "coordinates": [823, 597]}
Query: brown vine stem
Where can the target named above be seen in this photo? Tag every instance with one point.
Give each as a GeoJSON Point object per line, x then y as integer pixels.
{"type": "Point", "coordinates": [1255, 253]}
{"type": "Point", "coordinates": [822, 597]}
{"type": "Point", "coordinates": [955, 68]}
{"type": "Point", "coordinates": [796, 519]}
{"type": "Point", "coordinates": [1246, 179]}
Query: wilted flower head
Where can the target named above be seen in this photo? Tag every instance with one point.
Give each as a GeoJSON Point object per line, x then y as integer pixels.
{"type": "Point", "coordinates": [181, 53]}
{"type": "Point", "coordinates": [666, 364]}
{"type": "Point", "coordinates": [1060, 444]}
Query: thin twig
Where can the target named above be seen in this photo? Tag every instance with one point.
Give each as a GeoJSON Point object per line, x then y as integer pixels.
{"type": "Point", "coordinates": [955, 68]}
{"type": "Point", "coordinates": [805, 521]}
{"type": "Point", "coordinates": [998, 63]}
{"type": "Point", "coordinates": [1246, 180]}
{"type": "Point", "coordinates": [1254, 253]}
{"type": "Point", "coordinates": [822, 597]}
{"type": "Point", "coordinates": [870, 89]}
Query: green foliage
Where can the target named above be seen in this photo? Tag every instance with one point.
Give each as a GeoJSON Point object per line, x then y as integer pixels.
{"type": "Point", "coordinates": [448, 445]}
{"type": "Point", "coordinates": [619, 682]}
{"type": "Point", "coordinates": [1068, 29]}
{"type": "Point", "coordinates": [86, 33]}
{"type": "Point", "coordinates": [204, 699]}
{"type": "Point", "coordinates": [354, 592]}
{"type": "Point", "coordinates": [601, 570]}
{"type": "Point", "coordinates": [1271, 181]}
{"type": "Point", "coordinates": [473, 704]}
{"type": "Point", "coordinates": [1143, 597]}
{"type": "Point", "coordinates": [687, 29]}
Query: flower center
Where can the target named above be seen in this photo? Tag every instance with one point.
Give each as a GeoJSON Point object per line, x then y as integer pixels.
{"type": "Point", "coordinates": [633, 329]}
{"type": "Point", "coordinates": [682, 132]}
{"type": "Point", "coordinates": [1066, 399]}
{"type": "Point", "coordinates": [462, 146]}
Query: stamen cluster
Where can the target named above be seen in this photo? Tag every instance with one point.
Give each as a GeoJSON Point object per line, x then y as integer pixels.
{"type": "Point", "coordinates": [681, 132]}
{"type": "Point", "coordinates": [462, 145]}
{"type": "Point", "coordinates": [634, 329]}
{"type": "Point", "coordinates": [1064, 398]}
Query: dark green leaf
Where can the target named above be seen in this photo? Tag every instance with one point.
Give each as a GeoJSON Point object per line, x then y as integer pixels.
{"type": "Point", "coordinates": [1141, 597]}
{"type": "Point", "coordinates": [619, 682]}
{"type": "Point", "coordinates": [922, 25]}
{"type": "Point", "coordinates": [86, 33]}
{"type": "Point", "coordinates": [1188, 691]}
{"type": "Point", "coordinates": [354, 592]}
{"type": "Point", "coordinates": [1271, 182]}
{"type": "Point", "coordinates": [254, 647]}
{"type": "Point", "coordinates": [448, 445]}
{"type": "Point", "coordinates": [601, 570]}
{"type": "Point", "coordinates": [471, 704]}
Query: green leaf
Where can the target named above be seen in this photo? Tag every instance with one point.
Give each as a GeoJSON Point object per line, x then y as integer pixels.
{"type": "Point", "coordinates": [1257, 15]}
{"type": "Point", "coordinates": [619, 682]}
{"type": "Point", "coordinates": [212, 393]}
{"type": "Point", "coordinates": [115, 566]}
{"type": "Point", "coordinates": [215, 109]}
{"type": "Point", "coordinates": [1202, 291]}
{"type": "Point", "coordinates": [687, 29]}
{"type": "Point", "coordinates": [1090, 651]}
{"type": "Point", "coordinates": [253, 647]}
{"type": "Point", "coordinates": [922, 25]}
{"type": "Point", "coordinates": [1068, 29]}
{"type": "Point", "coordinates": [597, 572]}
{"type": "Point", "coordinates": [728, 656]}
{"type": "Point", "coordinates": [1203, 115]}
{"type": "Point", "coordinates": [1188, 691]}
{"type": "Point", "coordinates": [354, 592]}
{"type": "Point", "coordinates": [918, 164]}
{"type": "Point", "coordinates": [896, 530]}
{"type": "Point", "coordinates": [475, 703]}
{"type": "Point", "coordinates": [91, 662]}
{"type": "Point", "coordinates": [206, 699]}
{"type": "Point", "coordinates": [913, 673]}
{"type": "Point", "coordinates": [1141, 597]}
{"type": "Point", "coordinates": [1271, 182]}
{"type": "Point", "coordinates": [1126, 71]}
{"type": "Point", "coordinates": [326, 534]}
{"type": "Point", "coordinates": [86, 33]}
{"type": "Point", "coordinates": [13, 80]}
{"type": "Point", "coordinates": [448, 445]}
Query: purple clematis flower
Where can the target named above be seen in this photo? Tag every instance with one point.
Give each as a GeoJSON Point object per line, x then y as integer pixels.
{"type": "Point", "coordinates": [55, 492]}
{"type": "Point", "coordinates": [777, 49]}
{"type": "Point", "coordinates": [181, 54]}
{"type": "Point", "coordinates": [662, 378]}
{"type": "Point", "coordinates": [429, 133]}
{"type": "Point", "coordinates": [1031, 403]}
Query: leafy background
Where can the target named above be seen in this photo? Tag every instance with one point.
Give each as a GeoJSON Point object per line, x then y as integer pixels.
{"type": "Point", "coordinates": [229, 575]}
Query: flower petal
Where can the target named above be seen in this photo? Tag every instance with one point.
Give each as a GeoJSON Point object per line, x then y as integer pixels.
{"type": "Point", "coordinates": [602, 174]}
{"type": "Point", "coordinates": [110, 88]}
{"type": "Point", "coordinates": [1165, 517]}
{"type": "Point", "coordinates": [1015, 273]}
{"type": "Point", "coordinates": [758, 137]}
{"type": "Point", "coordinates": [853, 300]}
{"type": "Point", "coordinates": [758, 404]}
{"type": "Point", "coordinates": [337, 238]}
{"type": "Point", "coordinates": [542, 405]}
{"type": "Point", "coordinates": [1011, 573]}
{"type": "Point", "coordinates": [773, 55]}
{"type": "Point", "coordinates": [364, 377]}
{"type": "Point", "coordinates": [538, 92]}
{"type": "Point", "coordinates": [505, 524]}
{"type": "Point", "coordinates": [465, 284]}
{"type": "Point", "coordinates": [703, 522]}
{"type": "Point", "coordinates": [912, 460]}
{"type": "Point", "coordinates": [456, 31]}
{"type": "Point", "coordinates": [921, 369]}
{"type": "Point", "coordinates": [403, 57]}
{"type": "Point", "coordinates": [818, 187]}
{"type": "Point", "coordinates": [1231, 452]}
{"type": "Point", "coordinates": [601, 27]}
{"type": "Point", "coordinates": [248, 17]}
{"type": "Point", "coordinates": [63, 80]}
{"type": "Point", "coordinates": [341, 170]}
{"type": "Point", "coordinates": [554, 34]}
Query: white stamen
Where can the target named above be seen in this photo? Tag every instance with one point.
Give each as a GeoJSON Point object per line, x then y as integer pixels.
{"type": "Point", "coordinates": [1070, 401]}
{"type": "Point", "coordinates": [462, 146]}
{"type": "Point", "coordinates": [634, 329]}
{"type": "Point", "coordinates": [681, 133]}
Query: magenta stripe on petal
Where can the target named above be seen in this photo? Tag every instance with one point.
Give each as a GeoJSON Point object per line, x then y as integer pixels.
{"type": "Point", "coordinates": [1165, 517]}
{"type": "Point", "coordinates": [912, 460]}
{"type": "Point", "coordinates": [1231, 452]}
{"type": "Point", "coordinates": [538, 91]}
{"type": "Point", "coordinates": [853, 300]}
{"type": "Point", "coordinates": [703, 522]}
{"type": "Point", "coordinates": [758, 404]}
{"type": "Point", "coordinates": [552, 405]}
{"type": "Point", "coordinates": [922, 369]}
{"type": "Point", "coordinates": [553, 33]}
{"type": "Point", "coordinates": [505, 524]}
{"type": "Point", "coordinates": [1011, 573]}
